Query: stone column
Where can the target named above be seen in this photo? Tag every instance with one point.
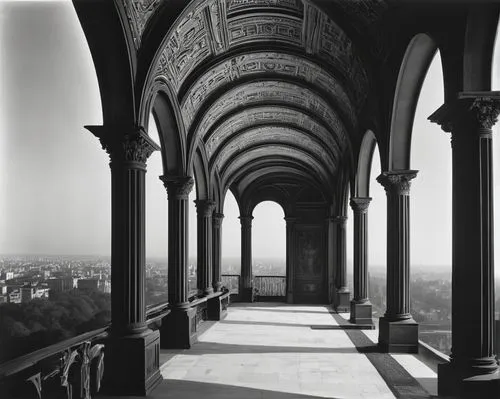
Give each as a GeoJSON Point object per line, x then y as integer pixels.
{"type": "Point", "coordinates": [330, 258]}
{"type": "Point", "coordinates": [290, 221]}
{"type": "Point", "coordinates": [132, 348]}
{"type": "Point", "coordinates": [473, 369]}
{"type": "Point", "coordinates": [342, 294]}
{"type": "Point", "coordinates": [217, 251]}
{"type": "Point", "coordinates": [176, 329]}
{"type": "Point", "coordinates": [398, 332]}
{"type": "Point", "coordinates": [246, 288]}
{"type": "Point", "coordinates": [361, 308]}
{"type": "Point", "coordinates": [204, 209]}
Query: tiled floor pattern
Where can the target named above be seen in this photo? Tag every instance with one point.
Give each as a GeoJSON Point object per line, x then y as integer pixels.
{"type": "Point", "coordinates": [271, 351]}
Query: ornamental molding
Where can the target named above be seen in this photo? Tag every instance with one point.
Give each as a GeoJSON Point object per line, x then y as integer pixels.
{"type": "Point", "coordinates": [360, 204]}
{"type": "Point", "coordinates": [246, 221]}
{"type": "Point", "coordinates": [178, 187]}
{"type": "Point", "coordinates": [397, 182]}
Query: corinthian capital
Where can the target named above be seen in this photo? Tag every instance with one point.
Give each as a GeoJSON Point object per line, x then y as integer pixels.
{"type": "Point", "coordinates": [481, 109]}
{"type": "Point", "coordinates": [217, 219]}
{"type": "Point", "coordinates": [342, 220]}
{"type": "Point", "coordinates": [135, 146]}
{"type": "Point", "coordinates": [397, 182]}
{"type": "Point", "coordinates": [360, 204]}
{"type": "Point", "coordinates": [205, 208]}
{"type": "Point", "coordinates": [178, 187]}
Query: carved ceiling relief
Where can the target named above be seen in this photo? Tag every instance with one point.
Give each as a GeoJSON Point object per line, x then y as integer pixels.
{"type": "Point", "coordinates": [272, 91]}
{"type": "Point", "coordinates": [278, 152]}
{"type": "Point", "coordinates": [216, 26]}
{"type": "Point", "coordinates": [242, 5]}
{"type": "Point", "coordinates": [276, 135]}
{"type": "Point", "coordinates": [138, 14]}
{"type": "Point", "coordinates": [187, 45]}
{"type": "Point", "coordinates": [268, 115]}
{"type": "Point", "coordinates": [258, 63]}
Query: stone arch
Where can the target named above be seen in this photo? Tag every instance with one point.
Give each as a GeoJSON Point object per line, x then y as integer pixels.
{"type": "Point", "coordinates": [201, 176]}
{"type": "Point", "coordinates": [173, 146]}
{"type": "Point", "coordinates": [479, 44]}
{"type": "Point", "coordinates": [364, 165]}
{"type": "Point", "coordinates": [417, 59]}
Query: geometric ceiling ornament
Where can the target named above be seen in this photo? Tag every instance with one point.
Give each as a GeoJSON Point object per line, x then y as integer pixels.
{"type": "Point", "coordinates": [273, 135]}
{"type": "Point", "coordinates": [275, 153]}
{"type": "Point", "coordinates": [276, 92]}
{"type": "Point", "coordinates": [268, 115]}
{"type": "Point", "coordinates": [258, 63]}
{"type": "Point", "coordinates": [209, 28]}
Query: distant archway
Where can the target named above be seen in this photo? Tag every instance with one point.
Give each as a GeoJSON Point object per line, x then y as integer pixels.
{"type": "Point", "coordinates": [269, 250]}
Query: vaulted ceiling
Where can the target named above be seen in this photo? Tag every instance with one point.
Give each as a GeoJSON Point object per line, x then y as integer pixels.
{"type": "Point", "coordinates": [265, 87]}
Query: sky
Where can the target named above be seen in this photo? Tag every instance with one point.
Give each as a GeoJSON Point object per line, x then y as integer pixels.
{"type": "Point", "coordinates": [54, 176]}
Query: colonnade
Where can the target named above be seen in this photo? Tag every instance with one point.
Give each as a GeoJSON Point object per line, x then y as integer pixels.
{"type": "Point", "coordinates": [469, 120]}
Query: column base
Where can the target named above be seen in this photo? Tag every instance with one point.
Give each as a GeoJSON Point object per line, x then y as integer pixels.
{"type": "Point", "coordinates": [216, 308]}
{"type": "Point", "coordinates": [132, 364]}
{"type": "Point", "coordinates": [398, 336]}
{"type": "Point", "coordinates": [361, 313]}
{"type": "Point", "coordinates": [246, 295]}
{"type": "Point", "coordinates": [457, 381]}
{"type": "Point", "coordinates": [342, 301]}
{"type": "Point", "coordinates": [289, 297]}
{"type": "Point", "coordinates": [178, 330]}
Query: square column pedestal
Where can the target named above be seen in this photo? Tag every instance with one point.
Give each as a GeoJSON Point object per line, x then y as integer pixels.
{"type": "Point", "coordinates": [132, 364]}
{"type": "Point", "coordinates": [398, 336]}
{"type": "Point", "coordinates": [361, 313]}
{"type": "Point", "coordinates": [178, 330]}
{"type": "Point", "coordinates": [217, 307]}
{"type": "Point", "coordinates": [342, 301]}
{"type": "Point", "coordinates": [453, 380]}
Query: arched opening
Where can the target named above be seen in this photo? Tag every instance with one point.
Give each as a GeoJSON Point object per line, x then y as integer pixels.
{"type": "Point", "coordinates": [56, 215]}
{"type": "Point", "coordinates": [156, 227]}
{"type": "Point", "coordinates": [431, 217]}
{"type": "Point", "coordinates": [377, 245]}
{"type": "Point", "coordinates": [269, 251]}
{"type": "Point", "coordinates": [192, 243]}
{"type": "Point", "coordinates": [231, 244]}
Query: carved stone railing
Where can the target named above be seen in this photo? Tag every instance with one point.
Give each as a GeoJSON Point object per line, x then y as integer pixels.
{"type": "Point", "coordinates": [269, 287]}
{"type": "Point", "coordinates": [70, 369]}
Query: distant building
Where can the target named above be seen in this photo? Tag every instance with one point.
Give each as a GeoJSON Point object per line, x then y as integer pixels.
{"type": "Point", "coordinates": [88, 284]}
{"type": "Point", "coordinates": [61, 284]}
{"type": "Point", "coordinates": [14, 296]}
{"type": "Point", "coordinates": [105, 286]}
{"type": "Point", "coordinates": [34, 291]}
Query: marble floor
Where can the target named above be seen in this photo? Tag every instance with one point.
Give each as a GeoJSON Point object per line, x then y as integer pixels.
{"type": "Point", "coordinates": [270, 350]}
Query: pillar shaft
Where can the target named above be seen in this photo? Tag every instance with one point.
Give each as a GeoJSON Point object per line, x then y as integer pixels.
{"type": "Point", "coordinates": [398, 331]}
{"type": "Point", "coordinates": [130, 338]}
{"type": "Point", "coordinates": [217, 251]}
{"type": "Point", "coordinates": [470, 120]}
{"type": "Point", "coordinates": [246, 258]}
{"type": "Point", "coordinates": [342, 293]}
{"type": "Point", "coordinates": [341, 275]}
{"type": "Point", "coordinates": [330, 258]}
{"type": "Point", "coordinates": [204, 210]}
{"type": "Point", "coordinates": [290, 221]}
{"type": "Point", "coordinates": [178, 189]}
{"type": "Point", "coordinates": [361, 309]}
{"type": "Point", "coordinates": [397, 187]}
{"type": "Point", "coordinates": [360, 210]}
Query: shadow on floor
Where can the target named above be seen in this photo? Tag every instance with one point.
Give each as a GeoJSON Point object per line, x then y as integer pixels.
{"type": "Point", "coordinates": [214, 348]}
{"type": "Point", "coordinates": [189, 389]}
{"type": "Point", "coordinates": [267, 323]}
{"type": "Point", "coordinates": [282, 309]}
